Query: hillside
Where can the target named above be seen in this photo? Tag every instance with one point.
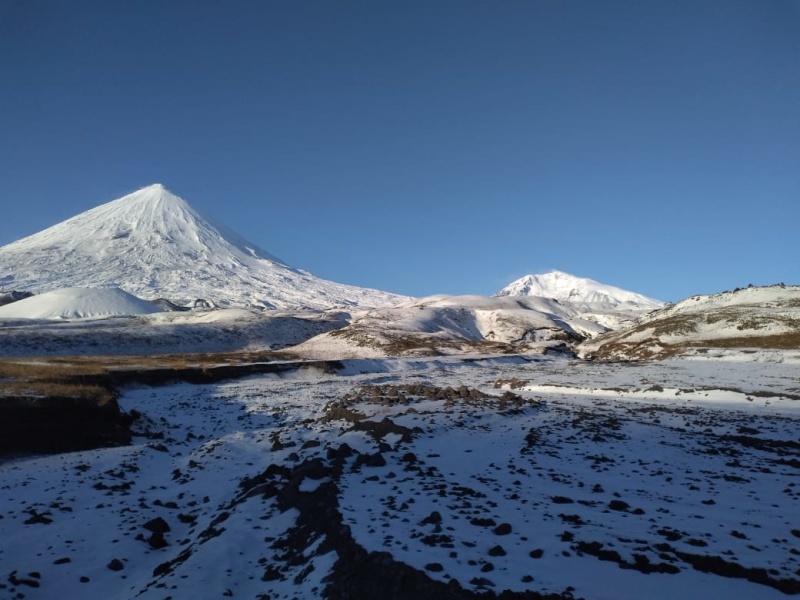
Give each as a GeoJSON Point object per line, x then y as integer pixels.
{"type": "Point", "coordinates": [455, 325]}
{"type": "Point", "coordinates": [749, 318]}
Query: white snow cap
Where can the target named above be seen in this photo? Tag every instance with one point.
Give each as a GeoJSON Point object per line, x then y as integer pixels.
{"type": "Point", "coordinates": [565, 287]}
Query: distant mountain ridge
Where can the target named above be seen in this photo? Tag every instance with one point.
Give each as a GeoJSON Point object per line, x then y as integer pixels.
{"type": "Point", "coordinates": [565, 287]}
{"type": "Point", "coordinates": [455, 325]}
{"type": "Point", "coordinates": [151, 243]}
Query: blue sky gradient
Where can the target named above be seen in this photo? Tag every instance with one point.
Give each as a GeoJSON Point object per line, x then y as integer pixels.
{"type": "Point", "coordinates": [425, 147]}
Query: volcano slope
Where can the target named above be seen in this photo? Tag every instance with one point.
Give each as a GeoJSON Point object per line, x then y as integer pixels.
{"type": "Point", "coordinates": [512, 477]}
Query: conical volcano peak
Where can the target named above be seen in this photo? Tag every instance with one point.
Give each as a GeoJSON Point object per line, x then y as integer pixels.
{"type": "Point", "coordinates": [153, 244]}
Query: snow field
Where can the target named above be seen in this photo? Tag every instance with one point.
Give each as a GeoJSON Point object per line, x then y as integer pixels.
{"type": "Point", "coordinates": [705, 475]}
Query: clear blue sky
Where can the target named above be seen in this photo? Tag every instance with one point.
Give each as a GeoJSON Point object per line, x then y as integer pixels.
{"type": "Point", "coordinates": [425, 146]}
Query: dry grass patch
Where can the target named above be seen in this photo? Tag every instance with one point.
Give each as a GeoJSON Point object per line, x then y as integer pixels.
{"type": "Point", "coordinates": [97, 394]}
{"type": "Point", "coordinates": [90, 377]}
{"type": "Point", "coordinates": [73, 367]}
{"type": "Point", "coordinates": [785, 341]}
{"type": "Point", "coordinates": [674, 326]}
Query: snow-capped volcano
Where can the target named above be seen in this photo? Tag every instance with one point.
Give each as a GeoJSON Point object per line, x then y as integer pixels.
{"type": "Point", "coordinates": [153, 244]}
{"type": "Point", "coordinates": [565, 287]}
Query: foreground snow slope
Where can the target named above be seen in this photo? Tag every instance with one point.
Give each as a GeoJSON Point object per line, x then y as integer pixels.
{"type": "Point", "coordinates": [616, 482]}
{"type": "Point", "coordinates": [753, 317]}
{"type": "Point", "coordinates": [153, 244]}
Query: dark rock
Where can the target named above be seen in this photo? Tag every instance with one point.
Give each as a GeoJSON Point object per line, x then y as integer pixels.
{"type": "Point", "coordinates": [503, 529]}
{"type": "Point", "coordinates": [378, 430]}
{"type": "Point", "coordinates": [373, 460]}
{"type": "Point", "coordinates": [696, 542]}
{"type": "Point", "coordinates": [409, 457]}
{"type": "Point", "coordinates": [719, 566]}
{"type": "Point", "coordinates": [432, 519]}
{"type": "Point", "coordinates": [739, 535]}
{"type": "Point", "coordinates": [115, 565]}
{"type": "Point", "coordinates": [619, 505]}
{"type": "Point", "coordinates": [37, 517]}
{"type": "Point", "coordinates": [14, 580]}
{"type": "Point", "coordinates": [562, 500]}
{"type": "Point", "coordinates": [670, 534]}
{"type": "Point", "coordinates": [497, 551]}
{"type": "Point", "coordinates": [13, 296]}
{"type": "Point", "coordinates": [271, 574]}
{"type": "Point", "coordinates": [157, 525]}
{"type": "Point", "coordinates": [157, 541]}
{"type": "Point", "coordinates": [313, 469]}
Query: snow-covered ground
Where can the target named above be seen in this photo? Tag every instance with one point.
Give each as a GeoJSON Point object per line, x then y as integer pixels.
{"type": "Point", "coordinates": [602, 481]}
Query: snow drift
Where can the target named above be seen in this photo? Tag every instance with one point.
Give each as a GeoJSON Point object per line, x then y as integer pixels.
{"type": "Point", "coordinates": [78, 303]}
